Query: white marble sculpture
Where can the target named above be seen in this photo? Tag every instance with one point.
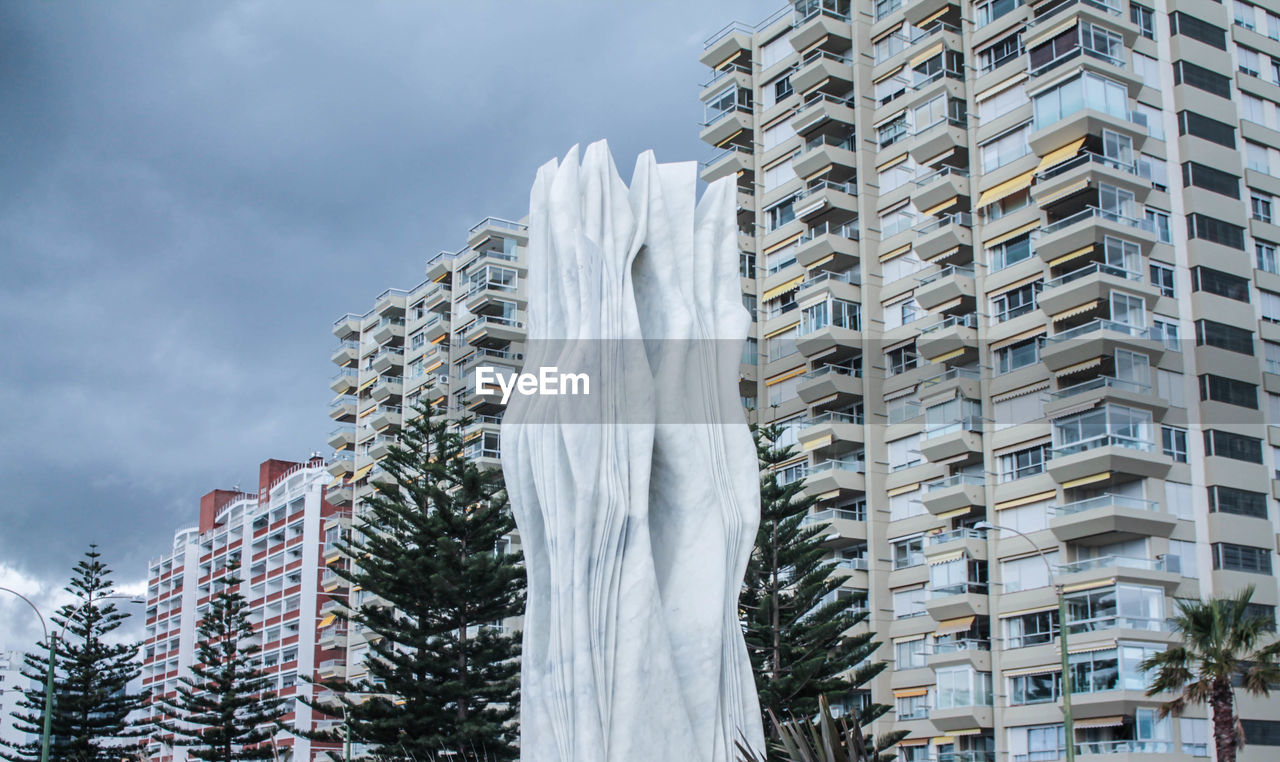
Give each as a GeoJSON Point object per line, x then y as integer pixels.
{"type": "Point", "coordinates": [637, 504]}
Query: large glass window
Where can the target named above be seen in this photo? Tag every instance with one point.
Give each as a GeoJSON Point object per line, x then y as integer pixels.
{"type": "Point", "coordinates": [1085, 91]}
{"type": "Point", "coordinates": [961, 687]}
{"type": "Point", "coordinates": [1102, 426]}
{"type": "Point", "coordinates": [1010, 252]}
{"type": "Point", "coordinates": [1133, 607]}
{"type": "Point", "coordinates": [1006, 148]}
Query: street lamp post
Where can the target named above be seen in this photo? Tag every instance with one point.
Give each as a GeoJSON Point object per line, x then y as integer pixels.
{"type": "Point", "coordinates": [1068, 726]}
{"type": "Point", "coordinates": [46, 732]}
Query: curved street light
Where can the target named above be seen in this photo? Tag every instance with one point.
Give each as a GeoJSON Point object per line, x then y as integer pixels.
{"type": "Point", "coordinates": [1068, 726]}
{"type": "Point", "coordinates": [47, 729]}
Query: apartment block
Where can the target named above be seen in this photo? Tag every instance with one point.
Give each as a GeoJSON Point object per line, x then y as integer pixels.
{"type": "Point", "coordinates": [277, 535]}
{"type": "Point", "coordinates": [422, 345]}
{"type": "Point", "coordinates": [1017, 303]}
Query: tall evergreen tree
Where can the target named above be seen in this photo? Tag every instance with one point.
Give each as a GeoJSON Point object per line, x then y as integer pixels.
{"type": "Point", "coordinates": [225, 710]}
{"type": "Point", "coordinates": [441, 677]}
{"type": "Point", "coordinates": [798, 634]}
{"type": "Point", "coordinates": [92, 701]}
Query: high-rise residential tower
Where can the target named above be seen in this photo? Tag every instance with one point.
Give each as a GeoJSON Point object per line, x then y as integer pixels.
{"type": "Point", "coordinates": [1014, 264]}
{"type": "Point", "coordinates": [278, 535]}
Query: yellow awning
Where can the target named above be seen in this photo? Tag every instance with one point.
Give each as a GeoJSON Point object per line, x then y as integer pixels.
{"type": "Point", "coordinates": [367, 384]}
{"type": "Point", "coordinates": [361, 472]}
{"type": "Point", "coordinates": [1039, 35]}
{"type": "Point", "coordinates": [926, 54]}
{"type": "Point", "coordinates": [1016, 284]}
{"type": "Point", "coordinates": [1099, 722]}
{"type": "Point", "coordinates": [1059, 155]}
{"type": "Point", "coordinates": [965, 732]}
{"type": "Point", "coordinates": [1029, 499]}
{"type": "Point", "coordinates": [904, 489]}
{"type": "Point", "coordinates": [933, 16]}
{"type": "Point", "coordinates": [894, 253]}
{"type": "Point", "coordinates": [782, 330]}
{"type": "Point", "coordinates": [1006, 188]}
{"type": "Point", "coordinates": [1023, 672]}
{"type": "Point", "coordinates": [952, 626]}
{"type": "Point", "coordinates": [893, 162]}
{"type": "Point", "coordinates": [1033, 610]}
{"type": "Point", "coordinates": [1071, 369]}
{"type": "Point", "coordinates": [939, 257]}
{"type": "Point", "coordinates": [819, 263]}
{"type": "Point", "coordinates": [1078, 185]}
{"type": "Point", "coordinates": [784, 376]}
{"type": "Point", "coordinates": [956, 512]}
{"type": "Point", "coordinates": [328, 620]}
{"type": "Point", "coordinates": [915, 741]}
{"type": "Point", "coordinates": [1104, 646]}
{"type": "Point", "coordinates": [1091, 479]}
{"type": "Point", "coordinates": [940, 740]}
{"type": "Point", "coordinates": [1000, 87]}
{"type": "Point", "coordinates": [939, 207]}
{"type": "Point", "coordinates": [911, 693]}
{"type": "Point", "coordinates": [777, 291]}
{"type": "Point", "coordinates": [946, 558]}
{"type": "Point", "coordinates": [910, 639]}
{"type": "Point", "coordinates": [1023, 336]}
{"type": "Point", "coordinates": [1088, 586]}
{"type": "Point", "coordinates": [1089, 305]}
{"type": "Point", "coordinates": [784, 242]}
{"type": "Point", "coordinates": [888, 74]}
{"type": "Point", "coordinates": [816, 443]}
{"type": "Point", "coordinates": [1012, 234]}
{"type": "Point", "coordinates": [948, 355]}
{"type": "Point", "coordinates": [1080, 252]}
{"type": "Point", "coordinates": [1022, 392]}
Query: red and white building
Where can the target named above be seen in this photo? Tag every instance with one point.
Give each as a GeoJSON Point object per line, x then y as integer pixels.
{"type": "Point", "coordinates": [279, 535]}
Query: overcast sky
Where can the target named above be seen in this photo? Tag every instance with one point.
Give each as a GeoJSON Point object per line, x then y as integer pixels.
{"type": "Point", "coordinates": [191, 193]}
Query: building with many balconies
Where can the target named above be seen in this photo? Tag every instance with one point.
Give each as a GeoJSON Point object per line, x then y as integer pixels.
{"type": "Point", "coordinates": [1013, 262]}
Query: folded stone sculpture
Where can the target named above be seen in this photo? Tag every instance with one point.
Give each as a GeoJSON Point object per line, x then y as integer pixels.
{"type": "Point", "coordinates": [637, 502]}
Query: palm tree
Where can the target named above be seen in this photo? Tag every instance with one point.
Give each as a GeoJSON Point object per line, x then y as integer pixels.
{"type": "Point", "coordinates": [1221, 641]}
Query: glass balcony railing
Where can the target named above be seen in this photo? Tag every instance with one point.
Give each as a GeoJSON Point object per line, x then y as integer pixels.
{"type": "Point", "coordinates": [967, 756]}
{"type": "Point", "coordinates": [1102, 382]}
{"type": "Point", "coordinates": [1106, 562]}
{"type": "Point", "coordinates": [969, 423]}
{"type": "Point", "coordinates": [835, 416]}
{"type": "Point", "coordinates": [725, 154]}
{"type": "Point", "coordinates": [956, 480]}
{"type": "Point", "coordinates": [963, 644]}
{"type": "Point", "coordinates": [1096, 267]}
{"type": "Point", "coordinates": [958, 588]}
{"type": "Point", "coordinates": [963, 321]}
{"type": "Point", "coordinates": [848, 230]}
{"type": "Point", "coordinates": [342, 402]}
{"type": "Point", "coordinates": [1124, 747]}
{"type": "Point", "coordinates": [852, 277]}
{"type": "Point", "coordinates": [830, 514]}
{"type": "Point", "coordinates": [856, 466]}
{"type": "Point", "coordinates": [850, 187]}
{"type": "Point", "coordinates": [1101, 324]}
{"type": "Point", "coordinates": [964, 533]}
{"type": "Point", "coordinates": [839, 370]}
{"type": "Point", "coordinates": [1105, 440]}
{"type": "Point", "coordinates": [350, 373]}
{"type": "Point", "coordinates": [961, 219]}
{"type": "Point", "coordinates": [854, 564]}
{"type": "Point", "coordinates": [1106, 216]}
{"type": "Point", "coordinates": [1119, 622]}
{"type": "Point", "coordinates": [1108, 501]}
{"type": "Point", "coordinates": [1086, 157]}
{"type": "Point", "coordinates": [951, 375]}
{"type": "Point", "coordinates": [848, 142]}
{"type": "Point", "coordinates": [825, 55]}
{"type": "Point", "coordinates": [811, 9]}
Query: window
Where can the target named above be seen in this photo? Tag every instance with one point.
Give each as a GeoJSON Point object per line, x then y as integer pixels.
{"type": "Point", "coordinates": [780, 214]}
{"type": "Point", "coordinates": [1147, 69]}
{"type": "Point", "coordinates": [1173, 442]}
{"type": "Point", "coordinates": [1245, 14]}
{"type": "Point", "coordinates": [906, 505]}
{"type": "Point", "coordinates": [1003, 102]}
{"type": "Point", "coordinates": [778, 134]}
{"type": "Point", "coordinates": [1241, 502]}
{"type": "Point", "coordinates": [1059, 48]}
{"type": "Point", "coordinates": [908, 551]}
{"type": "Point", "coordinates": [1261, 732]}
{"type": "Point", "coordinates": [1270, 311]}
{"type": "Point", "coordinates": [1102, 426]}
{"type": "Point", "coordinates": [1243, 558]}
{"type": "Point", "coordinates": [1162, 278]}
{"type": "Point", "coordinates": [1087, 90]}
{"type": "Point", "coordinates": [1259, 157]}
{"type": "Point", "coordinates": [912, 654]}
{"type": "Point", "coordinates": [893, 131]}
{"type": "Point", "coordinates": [1027, 573]}
{"type": "Point", "coordinates": [1000, 52]}
{"type": "Point", "coordinates": [1182, 558]}
{"type": "Point", "coordinates": [1264, 612]}
{"type": "Point", "coordinates": [1220, 283]}
{"type": "Point", "coordinates": [902, 359]}
{"type": "Point", "coordinates": [1203, 176]}
{"type": "Point", "coordinates": [1016, 302]}
{"type": "Point", "coordinates": [1209, 34]}
{"type": "Point", "coordinates": [1030, 629]}
{"type": "Point", "coordinates": [1260, 207]}
{"type": "Point", "coordinates": [1006, 148]}
{"type": "Point", "coordinates": [904, 453]}
{"type": "Point", "coordinates": [897, 220]}
{"type": "Point", "coordinates": [1160, 223]}
{"type": "Point", "coordinates": [898, 175]}
{"type": "Point", "coordinates": [1215, 230]}
{"type": "Point", "coordinates": [1185, 73]}
{"type": "Point", "coordinates": [962, 686]}
{"type": "Point", "coordinates": [909, 603]}
{"type": "Point", "coordinates": [913, 708]}
{"type": "Point", "coordinates": [985, 13]}
{"type": "Point", "coordinates": [1226, 444]}
{"type": "Point", "coordinates": [1247, 61]}
{"type": "Point", "coordinates": [1223, 336]}
{"type": "Point", "coordinates": [1144, 18]}
{"type": "Point", "coordinates": [1023, 463]}
{"type": "Point", "coordinates": [1010, 252]}
{"type": "Point", "coordinates": [1020, 355]}
{"type": "Point", "coordinates": [1228, 390]}
{"type": "Point", "coordinates": [1265, 254]}
{"type": "Point", "coordinates": [1007, 205]}
{"type": "Point", "coordinates": [1040, 688]}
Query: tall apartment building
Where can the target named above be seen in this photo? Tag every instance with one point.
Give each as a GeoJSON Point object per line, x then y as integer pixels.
{"type": "Point", "coordinates": [1015, 263]}
{"type": "Point", "coordinates": [421, 345]}
{"type": "Point", "coordinates": [278, 535]}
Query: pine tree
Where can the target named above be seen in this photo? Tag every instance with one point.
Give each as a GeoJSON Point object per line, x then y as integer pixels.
{"type": "Point", "coordinates": [225, 710]}
{"type": "Point", "coordinates": [92, 702]}
{"type": "Point", "coordinates": [798, 634]}
{"type": "Point", "coordinates": [441, 675]}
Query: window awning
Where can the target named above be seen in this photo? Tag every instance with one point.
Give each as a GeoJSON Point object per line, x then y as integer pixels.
{"type": "Point", "coordinates": [358, 475]}
{"type": "Point", "coordinates": [904, 489]}
{"type": "Point", "coordinates": [911, 692]}
{"type": "Point", "coordinates": [939, 257]}
{"type": "Point", "coordinates": [1080, 252]}
{"type": "Point", "coordinates": [782, 330]}
{"type": "Point", "coordinates": [1059, 155]}
{"type": "Point", "coordinates": [1099, 722]}
{"type": "Point", "coordinates": [328, 620]}
{"type": "Point", "coordinates": [1028, 500]}
{"type": "Point", "coordinates": [1072, 369]}
{"type": "Point", "coordinates": [914, 741]}
{"type": "Point", "coordinates": [777, 291]}
{"type": "Point", "coordinates": [784, 376]}
{"type": "Point", "coordinates": [1082, 586]}
{"type": "Point", "coordinates": [1075, 187]}
{"type": "Point", "coordinates": [1032, 610]}
{"type": "Point", "coordinates": [925, 54]}
{"type": "Point", "coordinates": [946, 558]}
{"type": "Point", "coordinates": [1105, 645]}
{"type": "Point", "coordinates": [952, 626]}
{"type": "Point", "coordinates": [1012, 234]}
{"type": "Point", "coordinates": [1024, 391]}
{"type": "Point", "coordinates": [1025, 671]}
{"type": "Point", "coordinates": [965, 732]}
{"type": "Point", "coordinates": [957, 512]}
{"type": "Point", "coordinates": [888, 255]}
{"type": "Point", "coordinates": [1099, 477]}
{"type": "Point", "coordinates": [1000, 87]}
{"type": "Point", "coordinates": [1014, 339]}
{"type": "Point", "coordinates": [1073, 409]}
{"type": "Point", "coordinates": [1006, 188]}
{"type": "Point", "coordinates": [1019, 283]}
{"type": "Point", "coordinates": [1092, 304]}
{"type": "Point", "coordinates": [947, 355]}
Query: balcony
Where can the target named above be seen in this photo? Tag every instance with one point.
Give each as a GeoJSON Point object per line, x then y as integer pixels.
{"type": "Point", "coordinates": [844, 285]}
{"type": "Point", "coordinates": [1152, 571]}
{"type": "Point", "coordinates": [823, 71]}
{"type": "Point", "coordinates": [962, 438]}
{"type": "Point", "coordinates": [343, 407]}
{"type": "Point", "coordinates": [832, 430]}
{"type": "Point", "coordinates": [842, 474]}
{"type": "Point", "coordinates": [388, 358]}
{"type": "Point", "coordinates": [722, 127]}
{"type": "Point", "coordinates": [821, 20]}
{"type": "Point", "coordinates": [388, 328]}
{"type": "Point", "coordinates": [953, 493]}
{"type": "Point", "coordinates": [945, 287]}
{"type": "Point", "coordinates": [341, 437]}
{"type": "Point", "coordinates": [837, 327]}
{"type": "Point", "coordinates": [332, 637]}
{"type": "Point", "coordinates": [331, 668]}
{"type": "Point", "coordinates": [939, 185]}
{"type": "Point", "coordinates": [339, 493]}
{"type": "Point", "coordinates": [937, 238]}
{"type": "Point", "coordinates": [380, 446]}
{"type": "Point", "coordinates": [1092, 285]}
{"type": "Point", "coordinates": [836, 245]}
{"type": "Point", "coordinates": [975, 652]}
{"type": "Point", "coordinates": [1098, 338]}
{"type": "Point", "coordinates": [347, 325]}
{"type": "Point", "coordinates": [1088, 168]}
{"type": "Point", "coordinates": [825, 196]}
{"type": "Point", "coordinates": [346, 352]}
{"type": "Point", "coordinates": [961, 717]}
{"type": "Point", "coordinates": [730, 73]}
{"type": "Point", "coordinates": [1111, 514]}
{"type": "Point", "coordinates": [957, 600]}
{"type": "Point", "coordinates": [344, 380]}
{"type": "Point", "coordinates": [965, 382]}
{"type": "Point", "coordinates": [932, 139]}
{"type": "Point", "coordinates": [1082, 123]}
{"type": "Point", "coordinates": [440, 265]}
{"type": "Point", "coordinates": [1107, 454]}
{"type": "Point", "coordinates": [841, 522]}
{"type": "Point", "coordinates": [821, 109]}
{"type": "Point", "coordinates": [341, 463]}
{"type": "Point", "coordinates": [385, 416]}
{"type": "Point", "coordinates": [493, 330]}
{"type": "Point", "coordinates": [820, 383]}
{"type": "Point", "coordinates": [952, 339]}
{"type": "Point", "coordinates": [490, 294]}
{"type": "Point", "coordinates": [823, 153]}
{"type": "Point", "coordinates": [732, 160]}
{"type": "Point", "coordinates": [387, 387]}
{"type": "Point", "coordinates": [732, 41]}
{"type": "Point", "coordinates": [439, 298]}
{"type": "Point", "coordinates": [1102, 389]}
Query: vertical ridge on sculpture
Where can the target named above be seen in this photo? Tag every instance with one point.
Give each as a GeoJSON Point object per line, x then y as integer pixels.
{"type": "Point", "coordinates": [632, 646]}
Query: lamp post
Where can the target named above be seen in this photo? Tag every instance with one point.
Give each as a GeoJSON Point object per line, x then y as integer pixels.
{"type": "Point", "coordinates": [1068, 726]}
{"type": "Point", "coordinates": [46, 732]}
